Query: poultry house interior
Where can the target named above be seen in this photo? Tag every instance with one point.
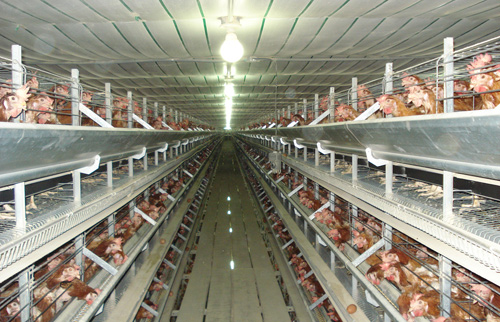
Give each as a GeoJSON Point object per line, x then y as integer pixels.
{"type": "Point", "coordinates": [266, 160]}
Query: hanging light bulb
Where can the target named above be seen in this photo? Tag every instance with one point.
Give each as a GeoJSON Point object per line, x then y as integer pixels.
{"type": "Point", "coordinates": [231, 49]}
{"type": "Point", "coordinates": [229, 90]}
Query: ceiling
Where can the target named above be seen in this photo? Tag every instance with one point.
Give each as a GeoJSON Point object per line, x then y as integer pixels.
{"type": "Point", "coordinates": [168, 50]}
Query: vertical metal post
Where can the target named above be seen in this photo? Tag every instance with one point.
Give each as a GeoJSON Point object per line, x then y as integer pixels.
{"type": "Point", "coordinates": [445, 285]}
{"type": "Point", "coordinates": [75, 97]}
{"type": "Point", "coordinates": [304, 101]}
{"type": "Point", "coordinates": [332, 162]}
{"type": "Point", "coordinates": [316, 157]}
{"type": "Point", "coordinates": [387, 237]}
{"type": "Point", "coordinates": [305, 153]}
{"type": "Point", "coordinates": [111, 225]}
{"type": "Point", "coordinates": [316, 106]}
{"type": "Point", "coordinates": [316, 191]}
{"type": "Point", "coordinates": [388, 179]}
{"type": "Point", "coordinates": [354, 168]}
{"type": "Point", "coordinates": [388, 79]}
{"type": "Point", "coordinates": [289, 112]}
{"type": "Point", "coordinates": [77, 192]}
{"type": "Point", "coordinates": [155, 110]}
{"type": "Point", "coordinates": [145, 109]}
{"type": "Point", "coordinates": [107, 102]}
{"type": "Point", "coordinates": [131, 206]}
{"type": "Point", "coordinates": [25, 278]}
{"type": "Point", "coordinates": [20, 203]}
{"type": "Point", "coordinates": [109, 171]}
{"type": "Point", "coordinates": [332, 201]}
{"type": "Point", "coordinates": [317, 246]}
{"type": "Point", "coordinates": [176, 116]}
{"type": "Point", "coordinates": [447, 195]}
{"type": "Point", "coordinates": [79, 260]}
{"type": "Point", "coordinates": [296, 108]}
{"type": "Point", "coordinates": [129, 109]}
{"type": "Point", "coordinates": [164, 113]}
{"type": "Point", "coordinates": [354, 93]}
{"type": "Point", "coordinates": [448, 75]}
{"type": "Point", "coordinates": [331, 104]}
{"type": "Point", "coordinates": [332, 261]}
{"type": "Point", "coordinates": [17, 67]}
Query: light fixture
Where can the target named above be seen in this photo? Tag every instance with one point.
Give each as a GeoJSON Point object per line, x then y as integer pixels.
{"type": "Point", "coordinates": [231, 264]}
{"type": "Point", "coordinates": [228, 198]}
{"type": "Point", "coordinates": [229, 90]}
{"type": "Point", "coordinates": [231, 49]}
{"type": "Point", "coordinates": [229, 212]}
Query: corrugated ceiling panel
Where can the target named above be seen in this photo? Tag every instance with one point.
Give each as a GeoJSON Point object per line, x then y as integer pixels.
{"type": "Point", "coordinates": [275, 32]}
{"type": "Point", "coordinates": [42, 41]}
{"type": "Point", "coordinates": [88, 41]}
{"type": "Point", "coordinates": [137, 34]}
{"type": "Point", "coordinates": [165, 33]}
{"type": "Point", "coordinates": [27, 11]}
{"type": "Point", "coordinates": [111, 35]}
{"type": "Point", "coordinates": [250, 9]}
{"type": "Point", "coordinates": [306, 28]}
{"type": "Point", "coordinates": [182, 9]}
{"type": "Point", "coordinates": [193, 37]}
{"type": "Point", "coordinates": [354, 9]}
{"type": "Point", "coordinates": [111, 10]}
{"type": "Point", "coordinates": [152, 9]}
{"type": "Point", "coordinates": [283, 9]}
{"type": "Point", "coordinates": [188, 68]}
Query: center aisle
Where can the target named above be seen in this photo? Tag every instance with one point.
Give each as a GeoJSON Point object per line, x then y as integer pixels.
{"type": "Point", "coordinates": [250, 291]}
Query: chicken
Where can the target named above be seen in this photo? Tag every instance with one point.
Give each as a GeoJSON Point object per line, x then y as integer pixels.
{"type": "Point", "coordinates": [421, 96]}
{"type": "Point", "coordinates": [345, 112]}
{"type": "Point", "coordinates": [80, 290]}
{"type": "Point", "coordinates": [13, 104]}
{"type": "Point", "coordinates": [365, 98]}
{"type": "Point", "coordinates": [40, 110]}
{"type": "Point", "coordinates": [485, 78]}
{"type": "Point", "coordinates": [395, 107]}
{"type": "Point", "coordinates": [67, 272]}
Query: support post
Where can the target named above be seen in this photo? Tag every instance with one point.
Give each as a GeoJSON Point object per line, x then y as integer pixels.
{"type": "Point", "coordinates": [145, 109]}
{"type": "Point", "coordinates": [25, 279]}
{"type": "Point", "coordinates": [354, 93]}
{"type": "Point", "coordinates": [107, 102]}
{"type": "Point", "coordinates": [75, 97]}
{"type": "Point", "coordinates": [447, 196]}
{"type": "Point", "coordinates": [129, 110]}
{"type": "Point", "coordinates": [109, 171]}
{"type": "Point", "coordinates": [388, 179]}
{"type": "Point", "coordinates": [155, 112]}
{"type": "Point", "coordinates": [77, 192]}
{"type": "Point", "coordinates": [448, 75]}
{"type": "Point", "coordinates": [331, 104]}
{"type": "Point", "coordinates": [20, 204]}
{"type": "Point", "coordinates": [388, 79]}
{"type": "Point", "coordinates": [316, 106]}
{"type": "Point", "coordinates": [354, 168]}
{"type": "Point", "coordinates": [445, 285]}
{"type": "Point", "coordinates": [17, 66]}
{"type": "Point", "coordinates": [79, 260]}
{"type": "Point", "coordinates": [304, 101]}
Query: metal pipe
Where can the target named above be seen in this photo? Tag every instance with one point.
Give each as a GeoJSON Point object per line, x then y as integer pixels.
{"type": "Point", "coordinates": [20, 204]}
{"type": "Point", "coordinates": [75, 97]}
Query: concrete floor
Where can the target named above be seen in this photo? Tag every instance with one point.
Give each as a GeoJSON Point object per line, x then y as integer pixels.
{"type": "Point", "coordinates": [250, 291]}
